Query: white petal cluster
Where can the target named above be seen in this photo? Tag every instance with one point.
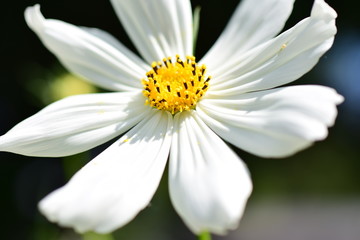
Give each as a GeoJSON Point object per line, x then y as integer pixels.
{"type": "Point", "coordinates": [244, 105]}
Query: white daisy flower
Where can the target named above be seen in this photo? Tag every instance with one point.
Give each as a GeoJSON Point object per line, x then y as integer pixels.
{"type": "Point", "coordinates": [169, 105]}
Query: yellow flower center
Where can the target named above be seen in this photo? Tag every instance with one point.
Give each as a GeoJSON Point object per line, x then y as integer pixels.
{"type": "Point", "coordinates": [175, 86]}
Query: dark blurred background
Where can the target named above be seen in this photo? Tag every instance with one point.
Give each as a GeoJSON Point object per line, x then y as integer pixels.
{"type": "Point", "coordinates": [312, 195]}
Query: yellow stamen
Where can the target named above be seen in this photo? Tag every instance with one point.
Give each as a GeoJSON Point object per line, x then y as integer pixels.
{"type": "Point", "coordinates": [175, 86]}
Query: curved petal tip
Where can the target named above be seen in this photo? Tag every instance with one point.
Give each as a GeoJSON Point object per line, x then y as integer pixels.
{"type": "Point", "coordinates": [321, 8]}
{"type": "Point", "coordinates": [34, 18]}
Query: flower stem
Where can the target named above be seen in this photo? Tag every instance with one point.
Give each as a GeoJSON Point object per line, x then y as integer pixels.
{"type": "Point", "coordinates": [196, 23]}
{"type": "Point", "coordinates": [95, 236]}
{"type": "Point", "coordinates": [204, 236]}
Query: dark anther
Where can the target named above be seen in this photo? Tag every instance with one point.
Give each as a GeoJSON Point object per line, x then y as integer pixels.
{"type": "Point", "coordinates": [192, 82]}
{"type": "Point", "coordinates": [185, 85]}
{"type": "Point", "coordinates": [204, 87]}
{"type": "Point", "coordinates": [208, 79]}
{"type": "Point", "coordinates": [197, 91]}
{"type": "Point", "coordinates": [181, 62]}
{"type": "Point", "coordinates": [178, 93]}
{"type": "Point", "coordinates": [187, 96]}
{"type": "Point", "coordinates": [147, 89]}
{"type": "Point", "coordinates": [155, 69]}
{"type": "Point", "coordinates": [168, 88]}
{"type": "Point", "coordinates": [158, 89]}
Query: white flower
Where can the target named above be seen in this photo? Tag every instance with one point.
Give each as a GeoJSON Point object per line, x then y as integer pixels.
{"type": "Point", "coordinates": [185, 111]}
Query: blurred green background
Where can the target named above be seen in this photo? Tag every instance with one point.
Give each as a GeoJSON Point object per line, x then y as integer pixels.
{"type": "Point", "coordinates": [312, 195]}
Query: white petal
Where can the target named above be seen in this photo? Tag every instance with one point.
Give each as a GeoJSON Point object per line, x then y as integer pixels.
{"type": "Point", "coordinates": [273, 123]}
{"type": "Point", "coordinates": [209, 184]}
{"type": "Point", "coordinates": [110, 190]}
{"type": "Point", "coordinates": [158, 28]}
{"type": "Point", "coordinates": [75, 124]}
{"type": "Point", "coordinates": [253, 22]}
{"type": "Point", "coordinates": [281, 60]}
{"type": "Point", "coordinates": [92, 54]}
